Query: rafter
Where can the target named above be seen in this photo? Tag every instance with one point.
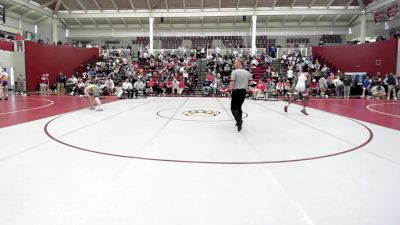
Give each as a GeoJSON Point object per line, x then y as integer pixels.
{"type": "Point", "coordinates": [40, 19]}
{"type": "Point", "coordinates": [140, 21]}
{"type": "Point", "coordinates": [166, 5]}
{"type": "Point", "coordinates": [312, 3]}
{"type": "Point", "coordinates": [81, 5]}
{"type": "Point", "coordinates": [48, 3]}
{"type": "Point", "coordinates": [349, 3]}
{"type": "Point", "coordinates": [284, 19]}
{"type": "Point", "coordinates": [302, 18]}
{"type": "Point", "coordinates": [115, 5]}
{"type": "Point", "coordinates": [256, 4]}
{"type": "Point", "coordinates": [27, 14]}
{"type": "Point", "coordinates": [293, 3]}
{"type": "Point", "coordinates": [330, 3]}
{"type": "Point", "coordinates": [123, 20]}
{"type": "Point", "coordinates": [57, 6]}
{"type": "Point", "coordinates": [351, 21]}
{"type": "Point", "coordinates": [361, 3]}
{"type": "Point", "coordinates": [319, 18]}
{"type": "Point", "coordinates": [219, 5]}
{"type": "Point", "coordinates": [212, 13]}
{"type": "Point", "coordinates": [9, 9]}
{"type": "Point", "coordinates": [336, 19]}
{"type": "Point", "coordinates": [155, 4]}
{"type": "Point", "coordinates": [202, 5]}
{"type": "Point", "coordinates": [31, 6]}
{"type": "Point", "coordinates": [274, 4]}
{"type": "Point", "coordinates": [93, 21]}
{"type": "Point", "coordinates": [237, 4]}
{"type": "Point", "coordinates": [97, 5]}
{"type": "Point", "coordinates": [184, 5]}
{"type": "Point", "coordinates": [109, 22]}
{"type": "Point", "coordinates": [132, 5]}
{"type": "Point", "coordinates": [148, 3]}
{"type": "Point", "coordinates": [79, 22]}
{"type": "Point", "coordinates": [65, 6]}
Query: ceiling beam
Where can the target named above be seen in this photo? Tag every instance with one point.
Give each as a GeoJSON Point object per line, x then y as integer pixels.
{"type": "Point", "coordinates": [115, 5]}
{"type": "Point", "coordinates": [349, 3]}
{"type": "Point", "coordinates": [132, 5]}
{"type": "Point", "coordinates": [65, 6]}
{"type": "Point", "coordinates": [256, 4]}
{"type": "Point", "coordinates": [361, 3]}
{"type": "Point", "coordinates": [40, 19]}
{"type": "Point", "coordinates": [312, 3]}
{"type": "Point", "coordinates": [57, 6]}
{"type": "Point", "coordinates": [330, 3]}
{"type": "Point", "coordinates": [97, 5]}
{"type": "Point", "coordinates": [219, 5]}
{"type": "Point", "coordinates": [48, 3]}
{"type": "Point", "coordinates": [274, 4]}
{"type": "Point", "coordinates": [9, 9]}
{"type": "Point", "coordinates": [237, 4]}
{"type": "Point", "coordinates": [93, 21]}
{"type": "Point", "coordinates": [284, 19]}
{"type": "Point", "coordinates": [336, 19]}
{"type": "Point", "coordinates": [81, 5]}
{"type": "Point", "coordinates": [293, 3]}
{"type": "Point", "coordinates": [353, 19]}
{"type": "Point", "coordinates": [380, 5]}
{"type": "Point", "coordinates": [302, 18]}
{"type": "Point", "coordinates": [33, 7]}
{"type": "Point", "coordinates": [109, 22]}
{"type": "Point", "coordinates": [79, 22]}
{"type": "Point", "coordinates": [202, 5]}
{"type": "Point", "coordinates": [148, 4]}
{"type": "Point", "coordinates": [319, 18]}
{"type": "Point", "coordinates": [184, 5]}
{"type": "Point", "coordinates": [27, 14]}
{"type": "Point", "coordinates": [124, 21]}
{"type": "Point", "coordinates": [235, 12]}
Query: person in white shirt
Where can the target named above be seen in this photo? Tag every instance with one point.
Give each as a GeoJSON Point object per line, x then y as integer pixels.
{"type": "Point", "coordinates": [109, 84]}
{"type": "Point", "coordinates": [301, 87]}
{"type": "Point", "coordinates": [339, 87]}
{"type": "Point", "coordinates": [139, 86]}
{"type": "Point", "coordinates": [127, 88]}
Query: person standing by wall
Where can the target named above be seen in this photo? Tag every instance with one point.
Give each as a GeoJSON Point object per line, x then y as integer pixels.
{"type": "Point", "coordinates": [4, 83]}
{"type": "Point", "coordinates": [240, 79]}
{"type": "Point", "coordinates": [391, 83]}
{"type": "Point", "coordinates": [20, 84]}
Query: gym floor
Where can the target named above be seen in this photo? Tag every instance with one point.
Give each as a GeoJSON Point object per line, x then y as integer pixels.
{"type": "Point", "coordinates": [181, 160]}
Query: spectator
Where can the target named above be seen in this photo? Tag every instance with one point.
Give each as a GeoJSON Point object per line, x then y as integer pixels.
{"type": "Point", "coordinates": [347, 82]}
{"type": "Point", "coordinates": [392, 82]}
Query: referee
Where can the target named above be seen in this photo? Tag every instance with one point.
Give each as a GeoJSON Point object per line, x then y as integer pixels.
{"type": "Point", "coordinates": [239, 82]}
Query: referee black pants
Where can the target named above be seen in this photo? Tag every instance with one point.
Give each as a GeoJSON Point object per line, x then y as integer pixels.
{"type": "Point", "coordinates": [238, 96]}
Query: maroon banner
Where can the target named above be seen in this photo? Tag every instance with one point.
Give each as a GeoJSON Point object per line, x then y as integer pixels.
{"type": "Point", "coordinates": [378, 17]}
{"type": "Point", "coordinates": [391, 11]}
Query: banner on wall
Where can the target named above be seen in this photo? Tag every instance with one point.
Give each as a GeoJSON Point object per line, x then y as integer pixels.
{"type": "Point", "coordinates": [391, 11]}
{"type": "Point", "coordinates": [379, 17]}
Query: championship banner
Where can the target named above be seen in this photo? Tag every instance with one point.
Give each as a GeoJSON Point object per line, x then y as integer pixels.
{"type": "Point", "coordinates": [391, 11]}
{"type": "Point", "coordinates": [378, 17]}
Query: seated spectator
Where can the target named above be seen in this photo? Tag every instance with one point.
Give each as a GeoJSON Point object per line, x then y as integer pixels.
{"type": "Point", "coordinates": [139, 86]}
{"type": "Point", "coordinates": [280, 87]}
{"type": "Point", "coordinates": [323, 87]}
{"type": "Point", "coordinates": [314, 87]}
{"type": "Point", "coordinates": [270, 88]}
{"type": "Point", "coordinates": [127, 88]}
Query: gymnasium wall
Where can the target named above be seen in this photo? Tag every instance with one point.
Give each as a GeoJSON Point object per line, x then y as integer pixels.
{"type": "Point", "coordinates": [53, 59]}
{"type": "Point", "coordinates": [370, 57]}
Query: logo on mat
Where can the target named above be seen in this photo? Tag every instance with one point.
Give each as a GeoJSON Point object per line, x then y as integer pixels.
{"type": "Point", "coordinates": [201, 112]}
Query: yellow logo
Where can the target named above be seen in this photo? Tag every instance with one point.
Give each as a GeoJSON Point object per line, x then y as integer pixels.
{"type": "Point", "coordinates": [201, 112]}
